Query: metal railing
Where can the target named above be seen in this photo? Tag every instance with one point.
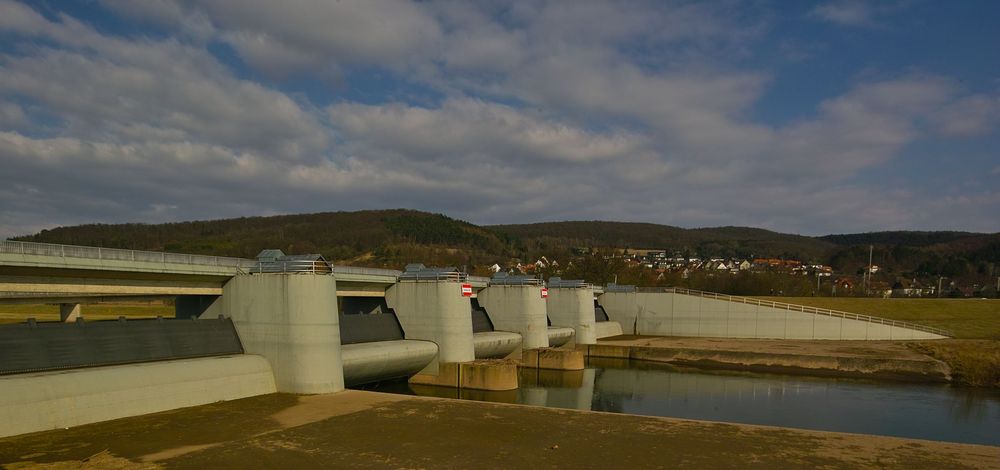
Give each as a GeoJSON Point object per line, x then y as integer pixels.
{"type": "Point", "coordinates": [802, 308]}
{"type": "Point", "coordinates": [504, 279]}
{"type": "Point", "coordinates": [117, 254]}
{"type": "Point", "coordinates": [419, 272]}
{"type": "Point", "coordinates": [365, 271]}
{"type": "Point", "coordinates": [560, 283]}
{"type": "Point", "coordinates": [291, 266]}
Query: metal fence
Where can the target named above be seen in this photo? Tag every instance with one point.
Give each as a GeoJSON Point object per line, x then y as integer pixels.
{"type": "Point", "coordinates": [365, 271]}
{"type": "Point", "coordinates": [117, 254]}
{"type": "Point", "coordinates": [800, 308]}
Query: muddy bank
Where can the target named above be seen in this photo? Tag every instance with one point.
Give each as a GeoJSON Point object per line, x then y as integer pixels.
{"type": "Point", "coordinates": [357, 429]}
{"type": "Point", "coordinates": [884, 360]}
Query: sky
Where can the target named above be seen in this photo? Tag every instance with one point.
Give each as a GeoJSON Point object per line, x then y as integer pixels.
{"type": "Point", "coordinates": [804, 117]}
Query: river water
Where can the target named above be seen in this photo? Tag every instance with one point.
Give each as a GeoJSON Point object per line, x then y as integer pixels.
{"type": "Point", "coordinates": [934, 412]}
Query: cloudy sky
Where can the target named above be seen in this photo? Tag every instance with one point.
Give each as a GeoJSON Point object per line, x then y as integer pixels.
{"type": "Point", "coordinates": [813, 118]}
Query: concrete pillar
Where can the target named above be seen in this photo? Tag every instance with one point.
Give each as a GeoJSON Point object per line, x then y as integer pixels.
{"type": "Point", "coordinates": [69, 312]}
{"type": "Point", "coordinates": [520, 309]}
{"type": "Point", "coordinates": [435, 311]}
{"type": "Point", "coordinates": [573, 307]}
{"type": "Point", "coordinates": [623, 307]}
{"type": "Point", "coordinates": [290, 319]}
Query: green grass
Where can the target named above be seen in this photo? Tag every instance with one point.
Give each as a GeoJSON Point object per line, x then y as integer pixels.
{"type": "Point", "coordinates": [20, 313]}
{"type": "Point", "coordinates": [966, 318]}
{"type": "Point", "coordinates": [973, 362]}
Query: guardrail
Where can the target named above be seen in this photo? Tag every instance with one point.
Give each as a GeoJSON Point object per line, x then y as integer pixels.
{"type": "Point", "coordinates": [117, 254]}
{"type": "Point", "coordinates": [365, 271]}
{"type": "Point", "coordinates": [803, 309]}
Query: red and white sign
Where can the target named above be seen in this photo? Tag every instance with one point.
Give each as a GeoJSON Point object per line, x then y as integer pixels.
{"type": "Point", "coordinates": [545, 292]}
{"type": "Point", "coordinates": [466, 290]}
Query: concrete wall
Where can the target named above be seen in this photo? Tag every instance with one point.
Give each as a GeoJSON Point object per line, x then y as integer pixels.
{"type": "Point", "coordinates": [290, 319]}
{"type": "Point", "coordinates": [370, 362]}
{"type": "Point", "coordinates": [53, 400]}
{"type": "Point", "coordinates": [435, 311]}
{"type": "Point", "coordinates": [574, 308]}
{"type": "Point", "coordinates": [520, 309]}
{"type": "Point", "coordinates": [670, 314]}
{"type": "Point", "coordinates": [607, 329]}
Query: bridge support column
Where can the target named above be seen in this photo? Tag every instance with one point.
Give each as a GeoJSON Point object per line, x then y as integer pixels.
{"type": "Point", "coordinates": [437, 311]}
{"type": "Point", "coordinates": [69, 312]}
{"type": "Point", "coordinates": [290, 319]}
{"type": "Point", "coordinates": [522, 309]}
{"type": "Point", "coordinates": [573, 307]}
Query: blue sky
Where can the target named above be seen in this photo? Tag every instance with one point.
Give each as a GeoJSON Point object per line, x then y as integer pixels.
{"type": "Point", "coordinates": [805, 117]}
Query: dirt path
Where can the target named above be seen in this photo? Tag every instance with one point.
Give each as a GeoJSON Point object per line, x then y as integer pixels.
{"type": "Point", "coordinates": [356, 429]}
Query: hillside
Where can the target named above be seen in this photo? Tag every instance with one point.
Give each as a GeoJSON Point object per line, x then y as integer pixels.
{"type": "Point", "coordinates": [392, 238]}
{"type": "Point", "coordinates": [743, 242]}
{"type": "Point", "coordinates": [375, 238]}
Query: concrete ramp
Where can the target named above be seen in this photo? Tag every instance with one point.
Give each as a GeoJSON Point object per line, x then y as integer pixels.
{"type": "Point", "coordinates": [61, 399]}
{"type": "Point", "coordinates": [684, 312]}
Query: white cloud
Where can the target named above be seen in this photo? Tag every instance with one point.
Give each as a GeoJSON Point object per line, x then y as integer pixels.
{"type": "Point", "coordinates": [474, 130]}
{"type": "Point", "coordinates": [970, 116]}
{"type": "Point", "coordinates": [101, 87]}
{"type": "Point", "coordinates": [538, 111]}
{"type": "Point", "coordinates": [845, 12]}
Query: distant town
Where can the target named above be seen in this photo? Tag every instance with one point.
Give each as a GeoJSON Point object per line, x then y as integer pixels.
{"type": "Point", "coordinates": [672, 265]}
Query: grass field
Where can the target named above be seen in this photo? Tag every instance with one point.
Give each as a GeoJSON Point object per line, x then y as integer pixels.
{"type": "Point", "coordinates": [19, 313]}
{"type": "Point", "coordinates": [966, 318]}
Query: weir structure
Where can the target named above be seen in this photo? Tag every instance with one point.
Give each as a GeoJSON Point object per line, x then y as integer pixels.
{"type": "Point", "coordinates": [685, 312]}
{"type": "Point", "coordinates": [298, 324]}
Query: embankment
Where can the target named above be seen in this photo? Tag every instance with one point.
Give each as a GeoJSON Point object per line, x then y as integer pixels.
{"type": "Point", "coordinates": [887, 360]}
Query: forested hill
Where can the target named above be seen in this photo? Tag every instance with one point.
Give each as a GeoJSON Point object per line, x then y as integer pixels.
{"type": "Point", "coordinates": [718, 241]}
{"type": "Point", "coordinates": [377, 238]}
{"type": "Point", "coordinates": [393, 238]}
{"type": "Point", "coordinates": [903, 238]}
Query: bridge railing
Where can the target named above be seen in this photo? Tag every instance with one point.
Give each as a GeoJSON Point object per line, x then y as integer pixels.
{"type": "Point", "coordinates": [365, 271]}
{"type": "Point", "coordinates": [117, 254]}
{"type": "Point", "coordinates": [802, 308]}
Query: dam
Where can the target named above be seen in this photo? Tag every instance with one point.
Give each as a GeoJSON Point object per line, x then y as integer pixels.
{"type": "Point", "coordinates": [298, 324]}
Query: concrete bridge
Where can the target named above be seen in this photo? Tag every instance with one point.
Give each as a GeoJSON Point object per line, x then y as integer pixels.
{"type": "Point", "coordinates": [300, 325]}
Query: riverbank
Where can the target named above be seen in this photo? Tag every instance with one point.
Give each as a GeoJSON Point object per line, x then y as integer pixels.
{"type": "Point", "coordinates": [356, 429]}
{"type": "Point", "coordinates": [893, 360]}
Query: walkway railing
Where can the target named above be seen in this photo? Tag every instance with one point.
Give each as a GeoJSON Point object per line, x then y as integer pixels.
{"type": "Point", "coordinates": [802, 308]}
{"type": "Point", "coordinates": [117, 254]}
{"type": "Point", "coordinates": [365, 271]}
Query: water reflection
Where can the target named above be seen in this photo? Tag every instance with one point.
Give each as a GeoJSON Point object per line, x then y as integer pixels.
{"type": "Point", "coordinates": [936, 412]}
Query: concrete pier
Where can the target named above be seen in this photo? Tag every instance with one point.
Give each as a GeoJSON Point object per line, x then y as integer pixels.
{"type": "Point", "coordinates": [571, 304]}
{"type": "Point", "coordinates": [518, 308]}
{"type": "Point", "coordinates": [435, 311]}
{"type": "Point", "coordinates": [433, 304]}
{"type": "Point", "coordinates": [291, 320]}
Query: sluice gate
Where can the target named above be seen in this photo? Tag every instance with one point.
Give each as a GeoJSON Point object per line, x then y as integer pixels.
{"type": "Point", "coordinates": [487, 342]}
{"type": "Point", "coordinates": [35, 347]}
{"type": "Point", "coordinates": [373, 344]}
